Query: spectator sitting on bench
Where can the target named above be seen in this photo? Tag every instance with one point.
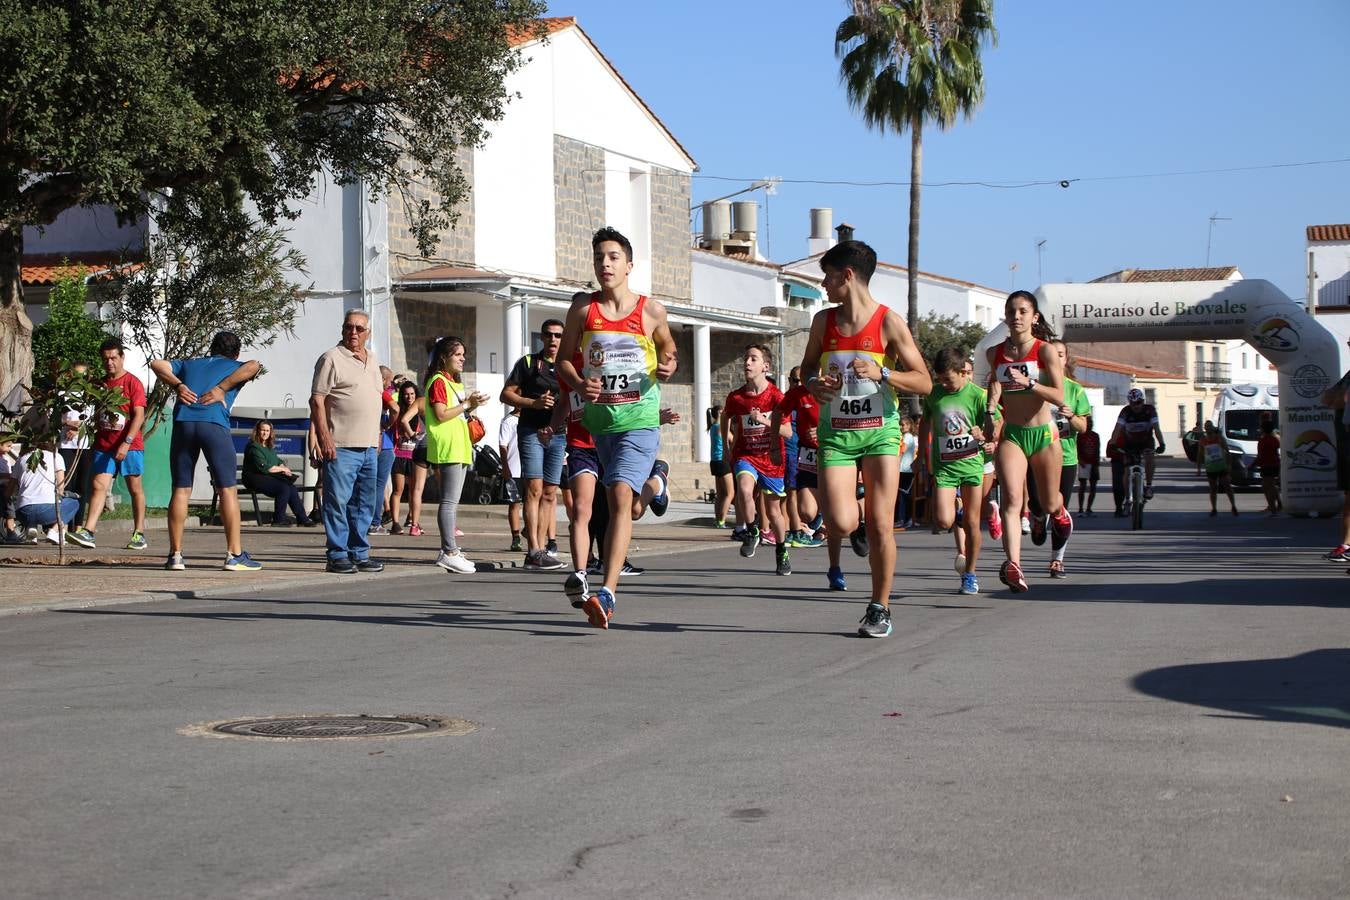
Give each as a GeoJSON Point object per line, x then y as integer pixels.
{"type": "Point", "coordinates": [265, 473]}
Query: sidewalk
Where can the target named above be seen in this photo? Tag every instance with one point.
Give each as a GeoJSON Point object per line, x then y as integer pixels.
{"type": "Point", "coordinates": [290, 557]}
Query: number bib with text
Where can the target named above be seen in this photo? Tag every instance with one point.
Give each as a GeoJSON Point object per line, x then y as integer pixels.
{"type": "Point", "coordinates": [621, 364]}
{"type": "Point", "coordinates": [860, 403]}
{"type": "Point", "coordinates": [806, 459]}
{"type": "Point", "coordinates": [1030, 368]}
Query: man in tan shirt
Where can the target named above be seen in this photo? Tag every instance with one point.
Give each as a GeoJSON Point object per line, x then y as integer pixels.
{"type": "Point", "coordinates": [344, 409]}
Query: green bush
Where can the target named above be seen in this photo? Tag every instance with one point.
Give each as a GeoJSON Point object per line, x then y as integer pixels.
{"type": "Point", "coordinates": [70, 335]}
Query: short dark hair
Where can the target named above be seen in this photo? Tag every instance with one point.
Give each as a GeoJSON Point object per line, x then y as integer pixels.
{"type": "Point", "coordinates": [113, 343]}
{"type": "Point", "coordinates": [609, 233]}
{"type": "Point", "coordinates": [949, 359]}
{"type": "Point", "coordinates": [548, 322]}
{"type": "Point", "coordinates": [226, 344]}
{"type": "Point", "coordinates": [854, 255]}
{"type": "Point", "coordinates": [764, 351]}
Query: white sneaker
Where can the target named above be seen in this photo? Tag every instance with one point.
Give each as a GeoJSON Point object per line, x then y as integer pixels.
{"type": "Point", "coordinates": [31, 536]}
{"type": "Point", "coordinates": [455, 562]}
{"type": "Point", "coordinates": [959, 564]}
{"type": "Point", "coordinates": [52, 536]}
{"type": "Point", "coordinates": [1026, 525]}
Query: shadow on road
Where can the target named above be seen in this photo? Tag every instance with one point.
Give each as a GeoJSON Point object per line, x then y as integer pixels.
{"type": "Point", "coordinates": [1312, 688]}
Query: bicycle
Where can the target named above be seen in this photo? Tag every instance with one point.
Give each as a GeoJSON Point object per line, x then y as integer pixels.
{"type": "Point", "coordinates": [1134, 488]}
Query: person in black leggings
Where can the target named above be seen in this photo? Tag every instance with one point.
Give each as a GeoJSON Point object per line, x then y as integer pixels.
{"type": "Point", "coordinates": [265, 473]}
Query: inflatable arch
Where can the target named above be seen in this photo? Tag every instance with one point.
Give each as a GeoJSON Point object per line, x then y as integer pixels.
{"type": "Point", "coordinates": [1304, 352]}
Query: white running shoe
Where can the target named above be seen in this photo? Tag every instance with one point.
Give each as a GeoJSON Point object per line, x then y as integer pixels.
{"type": "Point", "coordinates": [959, 564]}
{"type": "Point", "coordinates": [456, 562]}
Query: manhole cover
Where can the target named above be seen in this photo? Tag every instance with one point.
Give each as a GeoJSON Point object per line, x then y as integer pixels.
{"type": "Point", "coordinates": [290, 728]}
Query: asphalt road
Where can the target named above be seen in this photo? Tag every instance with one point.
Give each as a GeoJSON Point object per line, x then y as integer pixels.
{"type": "Point", "coordinates": [1170, 721]}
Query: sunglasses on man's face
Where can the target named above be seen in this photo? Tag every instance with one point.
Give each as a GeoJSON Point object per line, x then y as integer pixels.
{"type": "Point", "coordinates": [553, 335]}
{"type": "Point", "coordinates": [350, 327]}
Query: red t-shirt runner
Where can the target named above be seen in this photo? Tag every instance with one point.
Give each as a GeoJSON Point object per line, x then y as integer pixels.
{"type": "Point", "coordinates": [754, 438]}
{"type": "Point", "coordinates": [801, 401]}
{"type": "Point", "coordinates": [577, 435]}
{"type": "Point", "coordinates": [112, 428]}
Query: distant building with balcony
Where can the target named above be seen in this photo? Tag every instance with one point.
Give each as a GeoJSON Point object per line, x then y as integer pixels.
{"type": "Point", "coordinates": [1182, 378]}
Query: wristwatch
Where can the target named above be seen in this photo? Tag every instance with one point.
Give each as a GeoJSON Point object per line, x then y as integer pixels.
{"type": "Point", "coordinates": [885, 374]}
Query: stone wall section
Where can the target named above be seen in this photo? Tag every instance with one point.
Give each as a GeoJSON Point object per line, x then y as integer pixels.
{"type": "Point", "coordinates": [456, 245]}
{"type": "Point", "coordinates": [414, 320]}
{"type": "Point", "coordinates": [579, 206]}
{"type": "Point", "coordinates": [671, 266]}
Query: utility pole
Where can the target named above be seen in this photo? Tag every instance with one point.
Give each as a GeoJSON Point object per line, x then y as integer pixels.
{"type": "Point", "coordinates": [1210, 239]}
{"type": "Point", "coordinates": [1040, 245]}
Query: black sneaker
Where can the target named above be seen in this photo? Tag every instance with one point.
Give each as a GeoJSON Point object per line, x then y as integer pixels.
{"type": "Point", "coordinates": [595, 566]}
{"type": "Point", "coordinates": [1038, 530]}
{"type": "Point", "coordinates": [630, 569]}
{"type": "Point", "coordinates": [551, 547]}
{"type": "Point", "coordinates": [13, 536]}
{"type": "Point", "coordinates": [749, 541]}
{"type": "Point", "coordinates": [784, 566]}
{"type": "Point", "coordinates": [342, 566]}
{"type": "Point", "coordinates": [876, 622]}
{"type": "Point", "coordinates": [660, 469]}
{"type": "Point", "coordinates": [369, 565]}
{"type": "Point", "coordinates": [858, 540]}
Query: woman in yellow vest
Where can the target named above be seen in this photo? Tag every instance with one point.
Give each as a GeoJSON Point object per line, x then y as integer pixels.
{"type": "Point", "coordinates": [449, 449]}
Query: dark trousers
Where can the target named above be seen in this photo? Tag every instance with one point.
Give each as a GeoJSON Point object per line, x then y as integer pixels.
{"type": "Point", "coordinates": [282, 492]}
{"type": "Point", "coordinates": [80, 479]}
{"type": "Point", "coordinates": [1118, 483]}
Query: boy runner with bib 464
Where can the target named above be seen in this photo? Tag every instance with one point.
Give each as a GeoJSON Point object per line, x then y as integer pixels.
{"type": "Point", "coordinates": [849, 350]}
{"type": "Point", "coordinates": [626, 348]}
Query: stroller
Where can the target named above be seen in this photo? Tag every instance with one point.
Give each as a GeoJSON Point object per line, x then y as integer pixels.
{"type": "Point", "coordinates": [484, 483]}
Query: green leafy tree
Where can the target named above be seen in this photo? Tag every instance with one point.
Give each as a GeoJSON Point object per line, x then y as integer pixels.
{"type": "Point", "coordinates": [70, 335]}
{"type": "Point", "coordinates": [935, 332]}
{"type": "Point", "coordinates": [906, 64]}
{"type": "Point", "coordinates": [123, 102]}
{"type": "Point", "coordinates": [69, 405]}
{"type": "Point", "coordinates": [210, 266]}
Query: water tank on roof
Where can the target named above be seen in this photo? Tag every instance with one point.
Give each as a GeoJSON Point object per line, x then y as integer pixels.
{"type": "Point", "coordinates": [822, 223]}
{"type": "Point", "coordinates": [716, 221]}
{"type": "Point", "coordinates": [745, 216]}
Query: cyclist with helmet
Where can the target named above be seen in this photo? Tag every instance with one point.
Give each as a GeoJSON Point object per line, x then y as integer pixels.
{"type": "Point", "coordinates": [1136, 428]}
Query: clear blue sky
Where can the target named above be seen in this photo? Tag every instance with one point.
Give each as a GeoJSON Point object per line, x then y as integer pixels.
{"type": "Point", "coordinates": [1075, 90]}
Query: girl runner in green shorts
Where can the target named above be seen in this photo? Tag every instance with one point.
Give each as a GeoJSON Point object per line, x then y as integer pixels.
{"type": "Point", "coordinates": [1027, 384]}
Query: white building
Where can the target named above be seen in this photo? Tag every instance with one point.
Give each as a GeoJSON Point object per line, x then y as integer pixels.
{"type": "Point", "coordinates": [940, 294]}
{"type": "Point", "coordinates": [1328, 258]}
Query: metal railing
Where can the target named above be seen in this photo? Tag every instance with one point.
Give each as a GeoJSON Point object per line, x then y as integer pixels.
{"type": "Point", "coordinates": [1213, 372]}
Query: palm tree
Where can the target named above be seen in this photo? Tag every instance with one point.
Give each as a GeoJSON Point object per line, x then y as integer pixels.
{"type": "Point", "coordinates": [905, 63]}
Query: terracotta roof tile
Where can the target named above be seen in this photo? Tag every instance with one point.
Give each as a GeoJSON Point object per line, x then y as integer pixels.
{"type": "Point", "coordinates": [449, 273]}
{"type": "Point", "coordinates": [1106, 365]}
{"type": "Point", "coordinates": [1329, 232]}
{"type": "Point", "coordinates": [44, 269]}
{"type": "Point", "coordinates": [1141, 276]}
{"type": "Point", "coordinates": [544, 27]}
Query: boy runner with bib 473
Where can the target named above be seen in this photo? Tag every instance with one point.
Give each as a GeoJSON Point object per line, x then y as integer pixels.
{"type": "Point", "coordinates": [848, 354]}
{"type": "Point", "coordinates": [626, 348]}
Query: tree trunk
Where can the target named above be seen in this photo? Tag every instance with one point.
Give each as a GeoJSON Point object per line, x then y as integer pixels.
{"type": "Point", "coordinates": [915, 172]}
{"type": "Point", "coordinates": [16, 331]}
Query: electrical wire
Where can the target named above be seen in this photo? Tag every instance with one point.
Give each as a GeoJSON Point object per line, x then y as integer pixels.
{"type": "Point", "coordinates": [1048, 182]}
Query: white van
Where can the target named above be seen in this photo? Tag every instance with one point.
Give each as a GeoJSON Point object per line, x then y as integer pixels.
{"type": "Point", "coordinates": [1237, 414]}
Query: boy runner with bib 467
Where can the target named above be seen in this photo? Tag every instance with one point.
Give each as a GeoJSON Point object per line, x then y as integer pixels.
{"type": "Point", "coordinates": [626, 348]}
{"type": "Point", "coordinates": [849, 350]}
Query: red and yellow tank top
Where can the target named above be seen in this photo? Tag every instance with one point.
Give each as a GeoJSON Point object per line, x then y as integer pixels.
{"type": "Point", "coordinates": [623, 356]}
{"type": "Point", "coordinates": [1029, 365]}
{"type": "Point", "coordinates": [862, 403]}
